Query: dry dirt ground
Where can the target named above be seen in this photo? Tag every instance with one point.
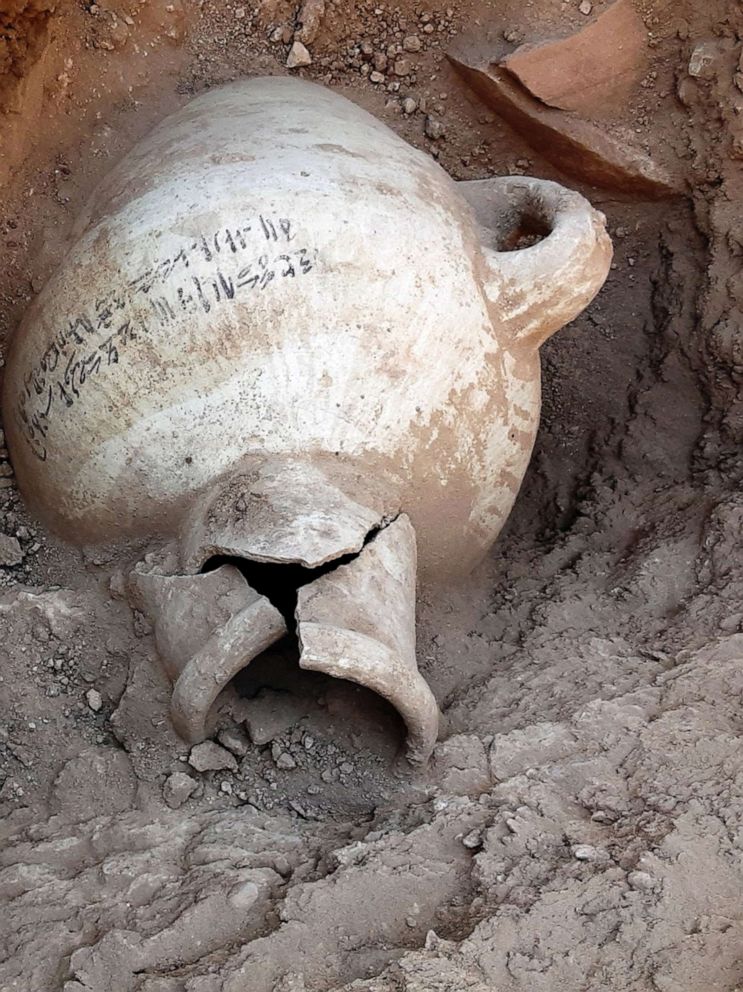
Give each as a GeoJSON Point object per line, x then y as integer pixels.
{"type": "Point", "coordinates": [581, 824]}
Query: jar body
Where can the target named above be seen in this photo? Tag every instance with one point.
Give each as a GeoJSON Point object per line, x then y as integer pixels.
{"type": "Point", "coordinates": [272, 272]}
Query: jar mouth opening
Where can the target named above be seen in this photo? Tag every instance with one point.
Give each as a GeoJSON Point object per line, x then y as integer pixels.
{"type": "Point", "coordinates": [519, 223]}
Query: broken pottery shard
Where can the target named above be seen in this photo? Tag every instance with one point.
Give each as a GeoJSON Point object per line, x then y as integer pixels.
{"type": "Point", "coordinates": [589, 71]}
{"type": "Point", "coordinates": [208, 627]}
{"type": "Point", "coordinates": [231, 648]}
{"type": "Point", "coordinates": [358, 623]}
{"type": "Point", "coordinates": [579, 148]}
{"type": "Point", "coordinates": [286, 511]}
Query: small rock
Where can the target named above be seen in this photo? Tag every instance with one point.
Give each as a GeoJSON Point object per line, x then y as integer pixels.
{"type": "Point", "coordinates": [409, 105]}
{"type": "Point", "coordinates": [732, 623]}
{"type": "Point", "coordinates": [412, 43]}
{"type": "Point", "coordinates": [6, 470]}
{"type": "Point", "coordinates": [210, 757]}
{"type": "Point", "coordinates": [585, 7]}
{"type": "Point", "coordinates": [402, 67]}
{"type": "Point", "coordinates": [226, 787]}
{"type": "Point", "coordinates": [473, 840]}
{"type": "Point", "coordinates": [604, 816]}
{"type": "Point", "coordinates": [376, 77]}
{"type": "Point", "coordinates": [641, 881]}
{"type": "Point", "coordinates": [434, 129]}
{"type": "Point", "coordinates": [586, 852]}
{"type": "Point", "coordinates": [309, 19]}
{"type": "Point", "coordinates": [282, 759]}
{"type": "Point", "coordinates": [290, 982]}
{"type": "Point", "coordinates": [119, 34]}
{"type": "Point", "coordinates": [178, 788]}
{"type": "Point", "coordinates": [380, 62]}
{"type": "Point", "coordinates": [10, 551]}
{"type": "Point", "coordinates": [298, 56]}
{"type": "Point", "coordinates": [243, 896]}
{"type": "Point", "coordinates": [94, 699]}
{"type": "Point", "coordinates": [702, 60]}
{"type": "Point", "coordinates": [234, 739]}
{"type": "Point", "coordinates": [433, 942]}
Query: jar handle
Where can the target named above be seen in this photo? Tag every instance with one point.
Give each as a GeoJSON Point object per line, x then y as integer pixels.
{"type": "Point", "coordinates": [537, 289]}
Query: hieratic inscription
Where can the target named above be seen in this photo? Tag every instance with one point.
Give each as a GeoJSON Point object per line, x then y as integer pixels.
{"type": "Point", "coordinates": [205, 275]}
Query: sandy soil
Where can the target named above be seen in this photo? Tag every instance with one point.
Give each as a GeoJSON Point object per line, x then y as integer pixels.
{"type": "Point", "coordinates": [581, 824]}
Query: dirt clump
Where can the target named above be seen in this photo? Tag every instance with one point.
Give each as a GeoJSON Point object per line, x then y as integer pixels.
{"type": "Point", "coordinates": [23, 33]}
